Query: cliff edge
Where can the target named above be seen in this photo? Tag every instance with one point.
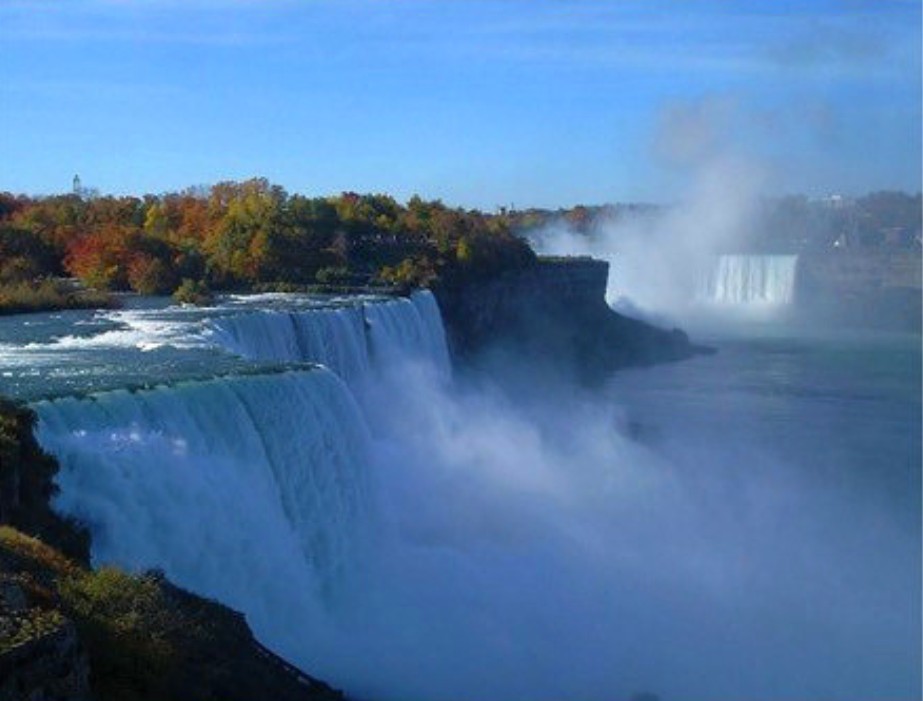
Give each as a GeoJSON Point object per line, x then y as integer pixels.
{"type": "Point", "coordinates": [554, 309]}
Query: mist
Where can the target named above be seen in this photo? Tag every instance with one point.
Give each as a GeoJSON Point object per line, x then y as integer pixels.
{"type": "Point", "coordinates": [658, 257]}
{"type": "Point", "coordinates": [531, 549]}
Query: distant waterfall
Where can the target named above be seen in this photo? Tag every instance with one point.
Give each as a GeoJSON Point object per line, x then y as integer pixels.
{"type": "Point", "coordinates": [750, 279]}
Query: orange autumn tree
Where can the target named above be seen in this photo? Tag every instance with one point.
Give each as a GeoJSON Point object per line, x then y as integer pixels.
{"type": "Point", "coordinates": [99, 259]}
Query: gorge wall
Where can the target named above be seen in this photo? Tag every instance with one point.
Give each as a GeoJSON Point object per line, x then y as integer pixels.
{"type": "Point", "coordinates": [554, 309]}
{"type": "Point", "coordinates": [861, 288]}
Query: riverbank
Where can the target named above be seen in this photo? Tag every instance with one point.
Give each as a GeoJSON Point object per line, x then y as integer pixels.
{"type": "Point", "coordinates": [49, 295]}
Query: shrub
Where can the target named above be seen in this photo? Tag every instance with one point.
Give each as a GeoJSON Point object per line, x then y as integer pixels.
{"type": "Point", "coordinates": [193, 292]}
{"type": "Point", "coordinates": [123, 621]}
{"type": "Point", "coordinates": [339, 275]}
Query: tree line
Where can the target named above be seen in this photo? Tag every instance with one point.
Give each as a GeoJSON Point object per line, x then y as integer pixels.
{"type": "Point", "coordinates": [249, 235]}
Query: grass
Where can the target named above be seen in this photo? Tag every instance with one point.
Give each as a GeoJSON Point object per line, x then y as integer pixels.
{"type": "Point", "coordinates": [146, 639]}
{"type": "Point", "coordinates": [32, 556]}
{"type": "Point", "coordinates": [125, 621]}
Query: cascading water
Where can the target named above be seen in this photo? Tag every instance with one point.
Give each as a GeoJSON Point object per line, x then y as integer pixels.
{"type": "Point", "coordinates": [197, 478]}
{"type": "Point", "coordinates": [350, 340]}
{"type": "Point", "coordinates": [409, 329]}
{"type": "Point", "coordinates": [332, 337]}
{"type": "Point", "coordinates": [252, 488]}
{"type": "Point", "coordinates": [750, 279]}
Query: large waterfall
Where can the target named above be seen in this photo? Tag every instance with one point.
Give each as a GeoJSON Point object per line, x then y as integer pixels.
{"type": "Point", "coordinates": [252, 488]}
{"type": "Point", "coordinates": [750, 279]}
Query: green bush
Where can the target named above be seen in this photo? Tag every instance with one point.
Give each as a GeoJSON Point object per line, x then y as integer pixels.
{"type": "Point", "coordinates": [338, 275]}
{"type": "Point", "coordinates": [193, 292]}
{"type": "Point", "coordinates": [123, 621]}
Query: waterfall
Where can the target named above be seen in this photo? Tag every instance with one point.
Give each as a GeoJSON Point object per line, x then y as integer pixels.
{"type": "Point", "coordinates": [408, 329]}
{"type": "Point", "coordinates": [252, 488]}
{"type": "Point", "coordinates": [207, 480]}
{"type": "Point", "coordinates": [502, 542]}
{"type": "Point", "coordinates": [750, 279]}
{"type": "Point", "coordinates": [331, 337]}
{"type": "Point", "coordinates": [349, 340]}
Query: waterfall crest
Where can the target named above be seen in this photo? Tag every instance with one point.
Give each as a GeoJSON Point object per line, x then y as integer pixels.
{"type": "Point", "coordinates": [349, 340]}
{"type": "Point", "coordinates": [332, 337]}
{"type": "Point", "coordinates": [750, 279]}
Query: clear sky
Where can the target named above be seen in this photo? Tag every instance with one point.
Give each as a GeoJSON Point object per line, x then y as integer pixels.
{"type": "Point", "coordinates": [524, 102]}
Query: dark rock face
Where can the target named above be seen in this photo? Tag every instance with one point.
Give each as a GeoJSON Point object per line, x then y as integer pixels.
{"type": "Point", "coordinates": [26, 485]}
{"type": "Point", "coordinates": [554, 309]}
{"type": "Point", "coordinates": [72, 634]}
{"type": "Point", "coordinates": [40, 655]}
{"type": "Point", "coordinates": [48, 666]}
{"type": "Point", "coordinates": [222, 659]}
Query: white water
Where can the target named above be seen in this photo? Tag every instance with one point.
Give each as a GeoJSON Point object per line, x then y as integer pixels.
{"type": "Point", "coordinates": [477, 544]}
{"type": "Point", "coordinates": [349, 340]}
{"type": "Point", "coordinates": [406, 329]}
{"type": "Point", "coordinates": [199, 478]}
{"type": "Point", "coordinates": [750, 280]}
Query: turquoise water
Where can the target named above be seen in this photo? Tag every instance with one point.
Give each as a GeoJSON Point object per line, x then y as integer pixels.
{"type": "Point", "coordinates": [149, 341]}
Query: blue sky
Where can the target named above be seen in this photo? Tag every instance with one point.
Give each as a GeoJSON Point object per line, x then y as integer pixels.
{"type": "Point", "coordinates": [524, 102]}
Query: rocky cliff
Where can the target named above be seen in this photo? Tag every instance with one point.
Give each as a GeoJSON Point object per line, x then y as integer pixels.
{"type": "Point", "coordinates": [40, 654]}
{"type": "Point", "coordinates": [26, 485]}
{"type": "Point", "coordinates": [554, 309]}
